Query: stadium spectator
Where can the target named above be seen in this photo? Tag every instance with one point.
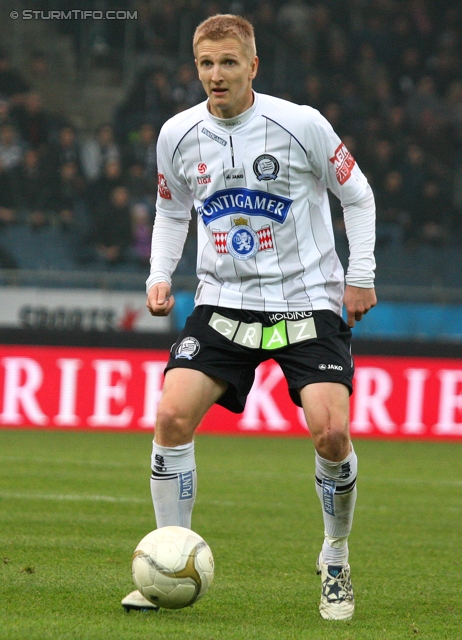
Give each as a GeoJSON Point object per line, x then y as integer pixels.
{"type": "Point", "coordinates": [393, 220]}
{"type": "Point", "coordinates": [65, 149]}
{"type": "Point", "coordinates": [150, 100]}
{"type": "Point", "coordinates": [68, 194]}
{"type": "Point", "coordinates": [11, 147]}
{"type": "Point", "coordinates": [266, 34]}
{"type": "Point", "coordinates": [112, 231]}
{"type": "Point", "coordinates": [166, 20]}
{"type": "Point", "coordinates": [4, 110]}
{"type": "Point", "coordinates": [141, 232]}
{"type": "Point", "coordinates": [98, 150]}
{"type": "Point", "coordinates": [33, 121]}
{"type": "Point", "coordinates": [415, 171]}
{"type": "Point", "coordinates": [312, 92]}
{"type": "Point", "coordinates": [432, 215]}
{"type": "Point", "coordinates": [142, 187]}
{"type": "Point", "coordinates": [99, 192]}
{"type": "Point", "coordinates": [12, 83]}
{"type": "Point", "coordinates": [8, 213]}
{"type": "Point", "coordinates": [32, 185]}
{"type": "Point", "coordinates": [141, 149]}
{"type": "Point", "coordinates": [186, 88]}
{"type": "Point", "coordinates": [145, 38]}
{"type": "Point", "coordinates": [295, 21]}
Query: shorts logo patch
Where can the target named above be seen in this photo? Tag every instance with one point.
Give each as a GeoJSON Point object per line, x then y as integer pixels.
{"type": "Point", "coordinates": [188, 348]}
{"type": "Point", "coordinates": [186, 485]}
{"type": "Point", "coordinates": [266, 167]}
{"type": "Point", "coordinates": [256, 336]}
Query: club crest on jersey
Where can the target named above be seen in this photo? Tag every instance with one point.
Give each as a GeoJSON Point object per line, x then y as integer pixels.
{"type": "Point", "coordinates": [242, 242]}
{"type": "Point", "coordinates": [188, 348]}
{"type": "Point", "coordinates": [266, 167]}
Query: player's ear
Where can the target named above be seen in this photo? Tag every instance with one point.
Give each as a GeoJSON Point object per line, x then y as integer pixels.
{"type": "Point", "coordinates": [253, 68]}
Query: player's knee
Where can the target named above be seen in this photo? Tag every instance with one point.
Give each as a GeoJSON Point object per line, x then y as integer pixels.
{"type": "Point", "coordinates": [172, 423]}
{"type": "Point", "coordinates": [333, 441]}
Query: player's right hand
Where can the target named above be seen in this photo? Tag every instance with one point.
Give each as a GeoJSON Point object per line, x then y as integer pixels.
{"type": "Point", "coordinates": [160, 302]}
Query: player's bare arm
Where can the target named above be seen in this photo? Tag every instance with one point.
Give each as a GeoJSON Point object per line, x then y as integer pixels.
{"type": "Point", "coordinates": [160, 302]}
{"type": "Point", "coordinates": [357, 302]}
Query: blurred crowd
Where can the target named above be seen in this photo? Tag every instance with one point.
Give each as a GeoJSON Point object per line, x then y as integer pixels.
{"type": "Point", "coordinates": [387, 74]}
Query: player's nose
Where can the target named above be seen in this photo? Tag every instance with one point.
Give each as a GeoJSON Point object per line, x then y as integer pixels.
{"type": "Point", "coordinates": [216, 73]}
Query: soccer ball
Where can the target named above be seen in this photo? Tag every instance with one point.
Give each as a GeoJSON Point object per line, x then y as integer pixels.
{"type": "Point", "coordinates": [172, 567]}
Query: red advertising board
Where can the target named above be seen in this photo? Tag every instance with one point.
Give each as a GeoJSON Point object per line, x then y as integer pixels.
{"type": "Point", "coordinates": [75, 388]}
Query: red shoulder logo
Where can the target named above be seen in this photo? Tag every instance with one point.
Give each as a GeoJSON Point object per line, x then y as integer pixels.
{"type": "Point", "coordinates": [164, 191]}
{"type": "Point", "coordinates": [343, 162]}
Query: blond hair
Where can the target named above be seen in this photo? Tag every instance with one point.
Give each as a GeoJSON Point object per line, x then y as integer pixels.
{"type": "Point", "coordinates": [227, 25]}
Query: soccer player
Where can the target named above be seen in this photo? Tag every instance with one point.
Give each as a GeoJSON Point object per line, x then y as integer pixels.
{"type": "Point", "coordinates": [257, 169]}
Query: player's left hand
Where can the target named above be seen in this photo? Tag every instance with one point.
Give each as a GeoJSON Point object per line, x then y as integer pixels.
{"type": "Point", "coordinates": [357, 302]}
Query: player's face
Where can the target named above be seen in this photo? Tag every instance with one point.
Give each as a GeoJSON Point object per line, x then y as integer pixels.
{"type": "Point", "coordinates": [226, 74]}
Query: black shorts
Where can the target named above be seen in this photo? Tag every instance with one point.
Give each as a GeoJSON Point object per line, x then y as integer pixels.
{"type": "Point", "coordinates": [309, 346]}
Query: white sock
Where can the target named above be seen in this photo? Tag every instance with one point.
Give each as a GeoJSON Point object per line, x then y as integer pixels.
{"type": "Point", "coordinates": [335, 550]}
{"type": "Point", "coordinates": [336, 488]}
{"type": "Point", "coordinates": [173, 484]}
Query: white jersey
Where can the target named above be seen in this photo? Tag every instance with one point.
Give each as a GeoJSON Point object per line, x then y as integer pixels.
{"type": "Point", "coordinates": [258, 183]}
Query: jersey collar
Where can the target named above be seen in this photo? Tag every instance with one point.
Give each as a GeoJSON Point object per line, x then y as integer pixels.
{"type": "Point", "coordinates": [230, 124]}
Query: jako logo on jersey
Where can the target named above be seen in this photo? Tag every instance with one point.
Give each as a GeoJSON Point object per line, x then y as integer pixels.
{"type": "Point", "coordinates": [335, 367]}
{"type": "Point", "coordinates": [266, 167]}
{"type": "Point", "coordinates": [188, 348]}
{"type": "Point", "coordinates": [343, 162]}
{"type": "Point", "coordinates": [234, 176]}
{"type": "Point", "coordinates": [202, 168]}
{"type": "Point", "coordinates": [213, 136]}
{"type": "Point", "coordinates": [233, 123]}
{"type": "Point", "coordinates": [163, 189]}
{"type": "Point", "coordinates": [242, 200]}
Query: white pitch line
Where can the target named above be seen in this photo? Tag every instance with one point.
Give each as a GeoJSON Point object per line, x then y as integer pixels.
{"type": "Point", "coordinates": [411, 481]}
{"type": "Point", "coordinates": [86, 463]}
{"type": "Point", "coordinates": [58, 497]}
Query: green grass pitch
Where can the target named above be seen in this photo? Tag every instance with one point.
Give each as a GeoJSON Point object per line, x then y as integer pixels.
{"type": "Point", "coordinates": [73, 506]}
